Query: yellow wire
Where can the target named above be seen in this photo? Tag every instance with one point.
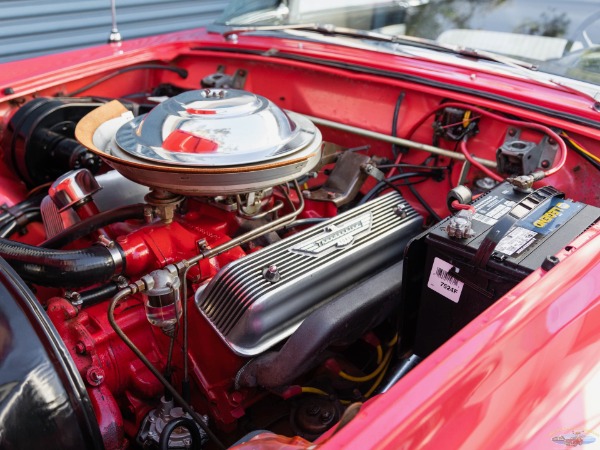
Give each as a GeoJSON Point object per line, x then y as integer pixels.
{"type": "Point", "coordinates": [372, 375]}
{"type": "Point", "coordinates": [384, 371]}
{"type": "Point", "coordinates": [393, 341]}
{"type": "Point", "coordinates": [379, 354]}
{"type": "Point", "coordinates": [377, 381]}
{"type": "Point", "coordinates": [580, 148]}
{"type": "Point", "coordinates": [466, 117]}
{"type": "Point", "coordinates": [312, 390]}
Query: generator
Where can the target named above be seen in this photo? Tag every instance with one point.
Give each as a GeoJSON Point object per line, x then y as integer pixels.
{"type": "Point", "coordinates": [450, 280]}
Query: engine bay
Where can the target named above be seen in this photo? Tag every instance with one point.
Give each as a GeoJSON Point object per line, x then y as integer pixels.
{"type": "Point", "coordinates": [222, 250]}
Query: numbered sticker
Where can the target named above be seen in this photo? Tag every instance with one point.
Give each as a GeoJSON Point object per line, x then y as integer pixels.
{"type": "Point", "coordinates": [442, 282]}
{"type": "Point", "coordinates": [516, 241]}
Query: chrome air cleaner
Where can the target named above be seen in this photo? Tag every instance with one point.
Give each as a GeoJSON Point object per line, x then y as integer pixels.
{"type": "Point", "coordinates": [205, 142]}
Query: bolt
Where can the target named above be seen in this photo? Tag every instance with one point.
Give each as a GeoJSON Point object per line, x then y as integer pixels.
{"type": "Point", "coordinates": [8, 91]}
{"type": "Point", "coordinates": [121, 282]}
{"type": "Point", "coordinates": [95, 376]}
{"type": "Point", "coordinates": [545, 164]}
{"type": "Point", "coordinates": [400, 211]}
{"type": "Point", "coordinates": [306, 194]}
{"type": "Point", "coordinates": [74, 297]}
{"type": "Point", "coordinates": [271, 273]}
{"type": "Point", "coordinates": [202, 245]}
{"type": "Point", "coordinates": [512, 132]}
{"type": "Point", "coordinates": [313, 410]}
{"type": "Point", "coordinates": [80, 348]}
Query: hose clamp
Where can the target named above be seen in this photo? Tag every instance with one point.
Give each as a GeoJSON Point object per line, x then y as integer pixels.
{"type": "Point", "coordinates": [115, 253]}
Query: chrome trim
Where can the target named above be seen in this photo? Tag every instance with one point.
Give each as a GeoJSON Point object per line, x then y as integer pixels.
{"type": "Point", "coordinates": [251, 313]}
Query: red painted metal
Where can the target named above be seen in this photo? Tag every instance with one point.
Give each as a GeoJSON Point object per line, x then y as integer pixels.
{"type": "Point", "coordinates": [518, 375]}
{"type": "Point", "coordinates": [116, 379]}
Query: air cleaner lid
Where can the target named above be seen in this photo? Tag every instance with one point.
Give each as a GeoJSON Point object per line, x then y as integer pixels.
{"type": "Point", "coordinates": [214, 127]}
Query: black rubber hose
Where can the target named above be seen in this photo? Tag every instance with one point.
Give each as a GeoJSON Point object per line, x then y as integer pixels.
{"type": "Point", "coordinates": [59, 268]}
{"type": "Point", "coordinates": [98, 294]}
{"type": "Point", "coordinates": [165, 435]}
{"type": "Point", "coordinates": [90, 224]}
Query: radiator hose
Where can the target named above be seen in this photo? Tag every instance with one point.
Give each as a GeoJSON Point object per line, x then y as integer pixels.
{"type": "Point", "coordinates": [62, 268]}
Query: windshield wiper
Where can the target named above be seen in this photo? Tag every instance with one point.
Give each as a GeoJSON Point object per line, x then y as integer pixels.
{"type": "Point", "coordinates": [490, 56]}
{"type": "Point", "coordinates": [523, 67]}
{"type": "Point", "coordinates": [322, 28]}
{"type": "Point", "coordinates": [332, 30]}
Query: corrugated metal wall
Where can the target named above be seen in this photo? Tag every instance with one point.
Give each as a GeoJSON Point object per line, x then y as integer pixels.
{"type": "Point", "coordinates": [35, 27]}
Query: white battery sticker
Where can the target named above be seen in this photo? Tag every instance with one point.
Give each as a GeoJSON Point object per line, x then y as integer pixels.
{"type": "Point", "coordinates": [484, 219]}
{"type": "Point", "coordinates": [492, 208]}
{"type": "Point", "coordinates": [499, 211]}
{"type": "Point", "coordinates": [442, 282]}
{"type": "Point", "coordinates": [517, 240]}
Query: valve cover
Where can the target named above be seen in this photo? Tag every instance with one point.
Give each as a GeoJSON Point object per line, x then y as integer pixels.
{"type": "Point", "coordinates": [256, 301]}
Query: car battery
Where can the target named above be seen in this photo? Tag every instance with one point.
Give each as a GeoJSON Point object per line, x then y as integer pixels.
{"type": "Point", "coordinates": [448, 281]}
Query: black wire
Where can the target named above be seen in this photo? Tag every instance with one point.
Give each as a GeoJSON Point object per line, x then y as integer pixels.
{"type": "Point", "coordinates": [413, 166]}
{"type": "Point", "coordinates": [412, 183]}
{"type": "Point", "coordinates": [303, 222]}
{"type": "Point", "coordinates": [178, 70]}
{"type": "Point", "coordinates": [396, 148]}
{"type": "Point", "coordinates": [586, 157]}
{"type": "Point", "coordinates": [387, 182]}
{"type": "Point", "coordinates": [426, 205]}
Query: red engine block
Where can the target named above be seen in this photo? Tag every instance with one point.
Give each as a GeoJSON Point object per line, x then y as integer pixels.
{"type": "Point", "coordinates": [121, 388]}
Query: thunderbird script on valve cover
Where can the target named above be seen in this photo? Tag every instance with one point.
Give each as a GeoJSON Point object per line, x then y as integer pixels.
{"type": "Point", "coordinates": [277, 234]}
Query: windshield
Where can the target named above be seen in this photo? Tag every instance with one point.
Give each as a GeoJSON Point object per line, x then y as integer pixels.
{"type": "Point", "coordinates": [560, 37]}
